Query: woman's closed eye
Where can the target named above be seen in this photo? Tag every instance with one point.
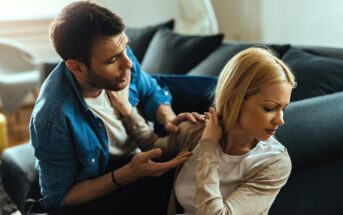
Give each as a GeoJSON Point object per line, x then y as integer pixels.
{"type": "Point", "coordinates": [271, 109]}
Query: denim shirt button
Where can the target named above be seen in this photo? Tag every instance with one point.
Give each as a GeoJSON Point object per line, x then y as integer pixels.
{"type": "Point", "coordinates": [93, 160]}
{"type": "Point", "coordinates": [166, 93]}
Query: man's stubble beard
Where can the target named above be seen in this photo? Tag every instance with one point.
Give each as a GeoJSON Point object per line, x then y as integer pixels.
{"type": "Point", "coordinates": [100, 83]}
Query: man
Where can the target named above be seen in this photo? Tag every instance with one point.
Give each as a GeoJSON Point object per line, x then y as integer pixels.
{"type": "Point", "coordinates": [76, 132]}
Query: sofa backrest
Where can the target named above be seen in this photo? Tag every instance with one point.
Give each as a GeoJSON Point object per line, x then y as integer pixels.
{"type": "Point", "coordinates": [331, 52]}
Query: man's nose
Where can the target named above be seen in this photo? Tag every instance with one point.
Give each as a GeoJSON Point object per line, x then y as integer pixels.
{"type": "Point", "coordinates": [127, 63]}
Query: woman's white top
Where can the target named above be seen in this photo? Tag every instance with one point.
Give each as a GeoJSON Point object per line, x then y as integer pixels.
{"type": "Point", "coordinates": [231, 171]}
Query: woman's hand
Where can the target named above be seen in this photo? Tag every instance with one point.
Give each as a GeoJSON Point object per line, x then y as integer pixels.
{"type": "Point", "coordinates": [120, 100]}
{"type": "Point", "coordinates": [213, 129]}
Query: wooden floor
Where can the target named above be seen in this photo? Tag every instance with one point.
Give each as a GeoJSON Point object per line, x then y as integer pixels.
{"type": "Point", "coordinates": [18, 125]}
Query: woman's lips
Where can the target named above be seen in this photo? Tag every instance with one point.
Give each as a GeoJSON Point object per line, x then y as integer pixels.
{"type": "Point", "coordinates": [271, 131]}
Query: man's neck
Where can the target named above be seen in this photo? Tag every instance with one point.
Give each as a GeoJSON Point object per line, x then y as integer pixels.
{"type": "Point", "coordinates": [87, 91]}
{"type": "Point", "coordinates": [91, 93]}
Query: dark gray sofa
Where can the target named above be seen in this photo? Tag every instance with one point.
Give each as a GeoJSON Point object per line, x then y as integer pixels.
{"type": "Point", "coordinates": [312, 133]}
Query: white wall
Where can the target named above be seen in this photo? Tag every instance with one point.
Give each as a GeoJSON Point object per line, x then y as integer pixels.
{"type": "Point", "coordinates": [305, 22]}
{"type": "Point", "coordinates": [238, 19]}
{"type": "Point", "coordinates": [138, 13]}
{"type": "Point", "coordinates": [28, 22]}
{"type": "Point", "coordinates": [32, 29]}
{"type": "Point", "coordinates": [34, 34]}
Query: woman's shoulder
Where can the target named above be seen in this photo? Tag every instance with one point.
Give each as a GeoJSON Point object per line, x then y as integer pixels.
{"type": "Point", "coordinates": [268, 148]}
{"type": "Point", "coordinates": [279, 165]}
{"type": "Point", "coordinates": [190, 133]}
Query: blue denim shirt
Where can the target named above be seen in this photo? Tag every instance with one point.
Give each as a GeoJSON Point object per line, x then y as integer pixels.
{"type": "Point", "coordinates": [70, 142]}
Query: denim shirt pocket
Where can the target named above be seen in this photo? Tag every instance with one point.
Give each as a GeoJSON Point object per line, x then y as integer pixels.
{"type": "Point", "coordinates": [89, 164]}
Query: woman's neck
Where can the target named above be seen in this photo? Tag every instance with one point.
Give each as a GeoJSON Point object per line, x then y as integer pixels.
{"type": "Point", "coordinates": [237, 142]}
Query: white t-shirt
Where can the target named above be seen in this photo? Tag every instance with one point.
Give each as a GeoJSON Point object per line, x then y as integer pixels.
{"type": "Point", "coordinates": [120, 145]}
{"type": "Point", "coordinates": [231, 171]}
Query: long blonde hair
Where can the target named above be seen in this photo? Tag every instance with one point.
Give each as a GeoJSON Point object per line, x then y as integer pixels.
{"type": "Point", "coordinates": [243, 76]}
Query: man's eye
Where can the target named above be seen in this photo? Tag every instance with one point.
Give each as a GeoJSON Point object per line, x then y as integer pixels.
{"type": "Point", "coordinates": [111, 61]}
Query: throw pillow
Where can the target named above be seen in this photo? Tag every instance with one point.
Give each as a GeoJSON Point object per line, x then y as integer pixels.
{"type": "Point", "coordinates": [172, 53]}
{"type": "Point", "coordinates": [190, 93]}
{"type": "Point", "coordinates": [315, 75]}
{"type": "Point", "coordinates": [216, 61]}
{"type": "Point", "coordinates": [140, 37]}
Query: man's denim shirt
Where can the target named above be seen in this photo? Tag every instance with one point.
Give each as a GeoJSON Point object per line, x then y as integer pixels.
{"type": "Point", "coordinates": [70, 142]}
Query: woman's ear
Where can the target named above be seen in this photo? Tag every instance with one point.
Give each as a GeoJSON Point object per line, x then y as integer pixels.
{"type": "Point", "coordinates": [76, 67]}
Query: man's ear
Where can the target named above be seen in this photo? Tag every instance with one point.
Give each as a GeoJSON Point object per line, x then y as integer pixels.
{"type": "Point", "coordinates": [76, 67]}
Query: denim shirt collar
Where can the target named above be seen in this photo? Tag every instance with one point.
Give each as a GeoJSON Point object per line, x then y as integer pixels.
{"type": "Point", "coordinates": [75, 86]}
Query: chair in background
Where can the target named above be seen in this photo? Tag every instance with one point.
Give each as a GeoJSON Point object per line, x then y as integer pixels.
{"type": "Point", "coordinates": [19, 77]}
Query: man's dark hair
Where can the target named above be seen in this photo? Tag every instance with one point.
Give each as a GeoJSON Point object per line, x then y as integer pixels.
{"type": "Point", "coordinates": [78, 26]}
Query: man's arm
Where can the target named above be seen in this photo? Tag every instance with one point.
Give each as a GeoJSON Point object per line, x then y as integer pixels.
{"type": "Point", "coordinates": [156, 101]}
{"type": "Point", "coordinates": [58, 168]}
{"type": "Point", "coordinates": [141, 165]}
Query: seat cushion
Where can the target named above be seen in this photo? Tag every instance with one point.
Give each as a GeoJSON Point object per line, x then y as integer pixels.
{"type": "Point", "coordinates": [172, 53]}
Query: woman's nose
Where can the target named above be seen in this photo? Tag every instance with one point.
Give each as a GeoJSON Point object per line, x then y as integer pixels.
{"type": "Point", "coordinates": [278, 120]}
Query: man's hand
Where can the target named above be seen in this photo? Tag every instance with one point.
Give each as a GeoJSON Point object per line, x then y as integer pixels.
{"type": "Point", "coordinates": [141, 165]}
{"type": "Point", "coordinates": [172, 125]}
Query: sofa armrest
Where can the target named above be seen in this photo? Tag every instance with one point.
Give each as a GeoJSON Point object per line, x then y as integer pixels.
{"type": "Point", "coordinates": [19, 176]}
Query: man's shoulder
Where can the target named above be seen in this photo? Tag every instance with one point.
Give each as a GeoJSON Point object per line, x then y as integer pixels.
{"type": "Point", "coordinates": [55, 95]}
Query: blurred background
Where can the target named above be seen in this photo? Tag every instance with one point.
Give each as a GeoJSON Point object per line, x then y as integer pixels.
{"type": "Point", "coordinates": [304, 22]}
{"type": "Point", "coordinates": [25, 45]}
{"type": "Point", "coordinates": [299, 22]}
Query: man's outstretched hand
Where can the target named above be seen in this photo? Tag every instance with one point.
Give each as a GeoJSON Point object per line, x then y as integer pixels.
{"type": "Point", "coordinates": [142, 165]}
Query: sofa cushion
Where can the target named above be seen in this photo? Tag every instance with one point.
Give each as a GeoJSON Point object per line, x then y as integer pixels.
{"type": "Point", "coordinates": [140, 37]}
{"type": "Point", "coordinates": [315, 75]}
{"type": "Point", "coordinates": [216, 61]}
{"type": "Point", "coordinates": [172, 53]}
{"type": "Point", "coordinates": [190, 93]}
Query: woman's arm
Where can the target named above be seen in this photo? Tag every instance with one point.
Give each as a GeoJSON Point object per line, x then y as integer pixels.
{"type": "Point", "coordinates": [138, 129]}
{"type": "Point", "coordinates": [255, 195]}
{"type": "Point", "coordinates": [256, 192]}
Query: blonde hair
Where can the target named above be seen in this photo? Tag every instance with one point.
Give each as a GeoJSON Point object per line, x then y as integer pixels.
{"type": "Point", "coordinates": [243, 76]}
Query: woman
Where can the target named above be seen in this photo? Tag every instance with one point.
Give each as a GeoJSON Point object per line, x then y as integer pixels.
{"type": "Point", "coordinates": [237, 166]}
